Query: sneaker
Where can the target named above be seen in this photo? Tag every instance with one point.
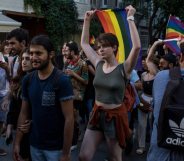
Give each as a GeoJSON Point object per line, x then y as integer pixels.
{"type": "Point", "coordinates": [3, 152]}
{"type": "Point", "coordinates": [73, 147]}
{"type": "Point", "coordinates": [140, 151]}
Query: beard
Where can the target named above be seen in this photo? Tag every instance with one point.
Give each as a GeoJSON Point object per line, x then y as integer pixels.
{"type": "Point", "coordinates": [43, 65]}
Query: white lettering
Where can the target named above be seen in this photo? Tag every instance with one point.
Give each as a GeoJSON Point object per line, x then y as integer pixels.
{"type": "Point", "coordinates": [176, 141]}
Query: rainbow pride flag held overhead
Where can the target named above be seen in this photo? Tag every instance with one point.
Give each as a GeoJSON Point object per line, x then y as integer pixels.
{"type": "Point", "coordinates": [115, 21]}
{"type": "Point", "coordinates": [174, 29]}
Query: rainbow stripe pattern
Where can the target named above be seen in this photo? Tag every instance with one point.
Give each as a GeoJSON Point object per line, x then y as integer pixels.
{"type": "Point", "coordinates": [114, 21]}
{"type": "Point", "coordinates": [174, 29]}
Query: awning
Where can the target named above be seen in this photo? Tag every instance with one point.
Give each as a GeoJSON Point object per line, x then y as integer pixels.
{"type": "Point", "coordinates": [7, 24]}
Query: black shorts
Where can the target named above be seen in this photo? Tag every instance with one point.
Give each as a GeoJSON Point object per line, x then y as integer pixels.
{"type": "Point", "coordinates": [107, 127]}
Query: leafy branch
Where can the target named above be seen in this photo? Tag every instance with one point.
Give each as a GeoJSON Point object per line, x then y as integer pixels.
{"type": "Point", "coordinates": [60, 18]}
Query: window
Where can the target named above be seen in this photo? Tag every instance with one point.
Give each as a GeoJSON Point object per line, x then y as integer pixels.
{"type": "Point", "coordinates": [105, 2]}
{"type": "Point", "coordinates": [93, 3]}
{"type": "Point", "coordinates": [144, 41]}
{"type": "Point", "coordinates": [81, 1]}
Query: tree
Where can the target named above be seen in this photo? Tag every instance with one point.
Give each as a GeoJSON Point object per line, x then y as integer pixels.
{"type": "Point", "coordinates": [60, 18]}
{"type": "Point", "coordinates": [162, 9]}
{"type": "Point", "coordinates": [158, 17]}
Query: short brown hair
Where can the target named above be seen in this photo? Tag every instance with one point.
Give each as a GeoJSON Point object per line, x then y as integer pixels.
{"type": "Point", "coordinates": [108, 39]}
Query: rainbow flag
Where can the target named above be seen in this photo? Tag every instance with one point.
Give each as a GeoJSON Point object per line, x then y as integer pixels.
{"type": "Point", "coordinates": [174, 29]}
{"type": "Point", "coordinates": [114, 21]}
{"type": "Point", "coordinates": [92, 40]}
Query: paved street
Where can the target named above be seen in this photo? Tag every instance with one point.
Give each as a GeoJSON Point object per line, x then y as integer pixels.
{"type": "Point", "coordinates": [100, 155]}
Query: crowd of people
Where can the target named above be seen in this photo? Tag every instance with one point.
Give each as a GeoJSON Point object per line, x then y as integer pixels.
{"type": "Point", "coordinates": [45, 98]}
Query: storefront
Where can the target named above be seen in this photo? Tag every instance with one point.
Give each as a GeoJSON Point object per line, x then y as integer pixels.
{"type": "Point", "coordinates": [6, 25]}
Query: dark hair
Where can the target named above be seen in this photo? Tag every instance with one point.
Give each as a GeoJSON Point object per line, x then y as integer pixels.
{"type": "Point", "coordinates": [44, 41]}
{"type": "Point", "coordinates": [144, 56]}
{"type": "Point", "coordinates": [182, 47]}
{"type": "Point", "coordinates": [170, 58]}
{"type": "Point", "coordinates": [73, 47]}
{"type": "Point", "coordinates": [20, 35]}
{"type": "Point", "coordinates": [108, 39]}
{"type": "Point", "coordinates": [15, 92]}
{"type": "Point", "coordinates": [20, 72]}
{"type": "Point", "coordinates": [2, 45]}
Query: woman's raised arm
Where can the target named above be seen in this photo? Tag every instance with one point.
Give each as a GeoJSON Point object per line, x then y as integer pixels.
{"type": "Point", "coordinates": [88, 50]}
{"type": "Point", "coordinates": [131, 61]}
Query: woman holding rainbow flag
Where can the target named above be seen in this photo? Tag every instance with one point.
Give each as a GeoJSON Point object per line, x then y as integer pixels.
{"type": "Point", "coordinates": [109, 118]}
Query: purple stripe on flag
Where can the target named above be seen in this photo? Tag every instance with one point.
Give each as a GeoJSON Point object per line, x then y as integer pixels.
{"type": "Point", "coordinates": [172, 45]}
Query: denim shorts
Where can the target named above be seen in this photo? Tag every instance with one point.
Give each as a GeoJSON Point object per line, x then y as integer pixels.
{"type": "Point", "coordinates": [2, 113]}
{"type": "Point", "coordinates": [107, 127]}
{"type": "Point", "coordinates": [45, 155]}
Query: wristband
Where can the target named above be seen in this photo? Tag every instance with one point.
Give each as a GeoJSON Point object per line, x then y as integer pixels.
{"type": "Point", "coordinates": [130, 18]}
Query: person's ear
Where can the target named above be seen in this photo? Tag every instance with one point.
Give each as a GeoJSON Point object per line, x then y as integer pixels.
{"type": "Point", "coordinates": [115, 49]}
{"type": "Point", "coordinates": [72, 52]}
{"type": "Point", "coordinates": [52, 54]}
{"type": "Point", "coordinates": [23, 43]}
{"type": "Point", "coordinates": [171, 65]}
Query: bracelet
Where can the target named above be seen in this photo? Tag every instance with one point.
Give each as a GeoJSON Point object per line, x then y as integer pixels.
{"type": "Point", "coordinates": [130, 18]}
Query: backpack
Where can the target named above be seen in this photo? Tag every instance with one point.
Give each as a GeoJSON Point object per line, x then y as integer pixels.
{"type": "Point", "coordinates": [170, 133]}
{"type": "Point", "coordinates": [129, 95]}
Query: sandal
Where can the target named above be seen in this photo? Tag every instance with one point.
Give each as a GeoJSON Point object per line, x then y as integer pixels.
{"type": "Point", "coordinates": [140, 151]}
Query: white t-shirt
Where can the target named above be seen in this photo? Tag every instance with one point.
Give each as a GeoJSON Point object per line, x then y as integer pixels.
{"type": "Point", "coordinates": [4, 84]}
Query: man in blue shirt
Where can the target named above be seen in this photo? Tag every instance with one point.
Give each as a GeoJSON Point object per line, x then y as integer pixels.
{"type": "Point", "coordinates": [157, 153]}
{"type": "Point", "coordinates": [47, 98]}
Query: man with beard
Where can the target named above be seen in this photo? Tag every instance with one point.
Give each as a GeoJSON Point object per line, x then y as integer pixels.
{"type": "Point", "coordinates": [77, 69]}
{"type": "Point", "coordinates": [167, 61]}
{"type": "Point", "coordinates": [157, 153]}
{"type": "Point", "coordinates": [48, 95]}
{"type": "Point", "coordinates": [18, 41]}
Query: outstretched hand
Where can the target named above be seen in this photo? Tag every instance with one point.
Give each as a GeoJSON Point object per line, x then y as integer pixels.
{"type": "Point", "coordinates": [159, 42]}
{"type": "Point", "coordinates": [89, 14]}
{"type": "Point", "coordinates": [130, 10]}
{"type": "Point", "coordinates": [180, 40]}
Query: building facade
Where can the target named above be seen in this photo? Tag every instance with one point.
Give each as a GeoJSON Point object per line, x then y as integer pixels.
{"type": "Point", "coordinates": [13, 15]}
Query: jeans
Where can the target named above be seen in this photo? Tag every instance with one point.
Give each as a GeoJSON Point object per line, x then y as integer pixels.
{"type": "Point", "coordinates": [143, 118]}
{"type": "Point", "coordinates": [2, 112]}
{"type": "Point", "coordinates": [45, 155]}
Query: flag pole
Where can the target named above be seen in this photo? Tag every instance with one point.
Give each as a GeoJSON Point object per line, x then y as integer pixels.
{"type": "Point", "coordinates": [167, 40]}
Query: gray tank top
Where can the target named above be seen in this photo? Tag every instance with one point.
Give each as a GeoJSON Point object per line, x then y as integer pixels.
{"type": "Point", "coordinates": [109, 87]}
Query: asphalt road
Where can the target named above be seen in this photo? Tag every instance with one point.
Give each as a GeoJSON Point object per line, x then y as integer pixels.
{"type": "Point", "coordinates": [101, 154]}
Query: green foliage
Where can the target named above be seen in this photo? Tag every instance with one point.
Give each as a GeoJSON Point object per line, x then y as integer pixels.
{"type": "Point", "coordinates": [60, 18]}
{"type": "Point", "coordinates": [163, 9]}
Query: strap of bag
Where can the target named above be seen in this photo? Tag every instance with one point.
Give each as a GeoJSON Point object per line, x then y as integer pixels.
{"type": "Point", "coordinates": [175, 73]}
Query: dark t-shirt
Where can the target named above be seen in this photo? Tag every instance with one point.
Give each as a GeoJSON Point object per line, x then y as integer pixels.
{"type": "Point", "coordinates": [90, 90]}
{"type": "Point", "coordinates": [47, 119]}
